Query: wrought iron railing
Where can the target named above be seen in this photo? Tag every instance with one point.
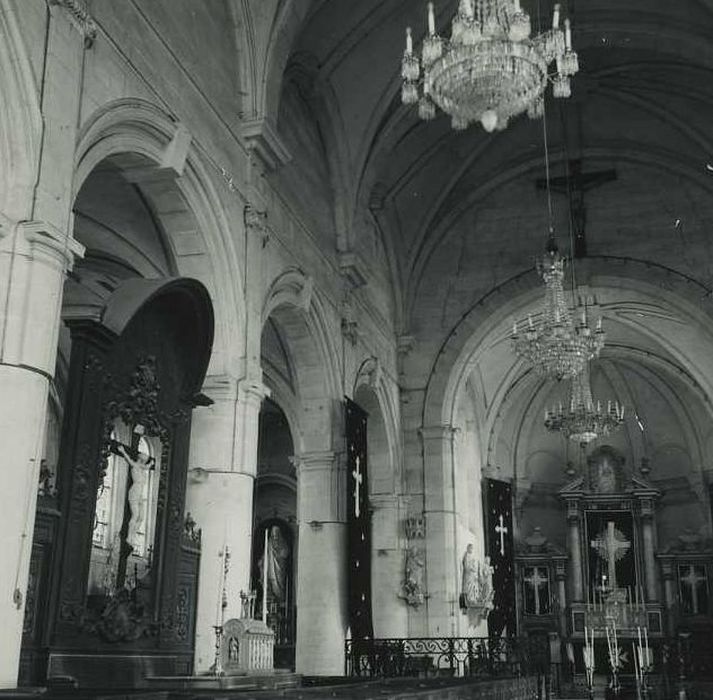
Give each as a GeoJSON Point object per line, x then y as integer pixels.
{"type": "Point", "coordinates": [480, 657]}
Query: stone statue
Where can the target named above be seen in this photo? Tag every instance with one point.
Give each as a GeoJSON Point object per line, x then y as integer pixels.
{"type": "Point", "coordinates": [140, 468]}
{"type": "Point", "coordinates": [278, 552]}
{"type": "Point", "coordinates": [412, 589]}
{"type": "Point", "coordinates": [476, 583]}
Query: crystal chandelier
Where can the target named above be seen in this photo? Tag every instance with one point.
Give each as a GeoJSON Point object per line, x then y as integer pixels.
{"type": "Point", "coordinates": [552, 343]}
{"type": "Point", "coordinates": [490, 70]}
{"type": "Point", "coordinates": [584, 421]}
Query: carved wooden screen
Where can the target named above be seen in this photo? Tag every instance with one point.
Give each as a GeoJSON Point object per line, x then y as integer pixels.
{"type": "Point", "coordinates": [130, 393]}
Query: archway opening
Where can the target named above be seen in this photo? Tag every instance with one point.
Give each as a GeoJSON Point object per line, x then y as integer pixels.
{"type": "Point", "coordinates": [275, 531]}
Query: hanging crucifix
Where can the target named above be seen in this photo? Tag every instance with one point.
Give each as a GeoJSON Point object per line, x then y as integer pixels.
{"type": "Point", "coordinates": [574, 185]}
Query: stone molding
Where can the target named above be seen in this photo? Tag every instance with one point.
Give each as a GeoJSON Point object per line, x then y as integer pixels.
{"type": "Point", "coordinates": [315, 461]}
{"type": "Point", "coordinates": [438, 432]}
{"type": "Point", "coordinates": [48, 242]}
{"type": "Point", "coordinates": [221, 387]}
{"type": "Point", "coordinates": [80, 18]}
{"type": "Point", "coordinates": [264, 144]}
{"type": "Point", "coordinates": [353, 269]}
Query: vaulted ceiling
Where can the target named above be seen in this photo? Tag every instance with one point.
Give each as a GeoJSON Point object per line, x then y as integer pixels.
{"type": "Point", "coordinates": [442, 200]}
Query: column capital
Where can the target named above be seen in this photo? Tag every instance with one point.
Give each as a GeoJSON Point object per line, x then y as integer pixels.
{"type": "Point", "coordinates": [48, 242]}
{"type": "Point", "coordinates": [438, 432]}
{"type": "Point", "coordinates": [221, 387]}
{"type": "Point", "coordinates": [572, 509]}
{"type": "Point", "coordinates": [315, 461]}
{"type": "Point", "coordinates": [252, 390]}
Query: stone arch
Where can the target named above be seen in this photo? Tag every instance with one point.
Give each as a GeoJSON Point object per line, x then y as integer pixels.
{"type": "Point", "coordinates": [158, 156]}
{"type": "Point", "coordinates": [285, 28]}
{"type": "Point", "coordinates": [371, 393]}
{"type": "Point", "coordinates": [298, 312]}
{"type": "Point", "coordinates": [682, 295]}
{"type": "Point", "coordinates": [20, 121]}
{"type": "Point", "coordinates": [300, 317]}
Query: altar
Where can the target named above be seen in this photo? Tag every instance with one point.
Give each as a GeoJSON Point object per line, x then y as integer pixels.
{"type": "Point", "coordinates": [613, 598]}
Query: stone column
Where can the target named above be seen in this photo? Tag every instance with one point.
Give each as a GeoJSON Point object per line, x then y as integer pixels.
{"type": "Point", "coordinates": [34, 258]}
{"type": "Point", "coordinates": [561, 579]}
{"type": "Point", "coordinates": [223, 463]}
{"type": "Point", "coordinates": [442, 567]}
{"type": "Point", "coordinates": [667, 571]}
{"type": "Point", "coordinates": [389, 612]}
{"type": "Point", "coordinates": [647, 534]}
{"type": "Point", "coordinates": [575, 551]}
{"type": "Point", "coordinates": [321, 564]}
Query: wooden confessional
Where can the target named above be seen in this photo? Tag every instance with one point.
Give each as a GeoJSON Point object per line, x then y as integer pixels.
{"type": "Point", "coordinates": [111, 598]}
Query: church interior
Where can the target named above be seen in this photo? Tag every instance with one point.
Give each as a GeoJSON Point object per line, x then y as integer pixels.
{"type": "Point", "coordinates": [359, 347]}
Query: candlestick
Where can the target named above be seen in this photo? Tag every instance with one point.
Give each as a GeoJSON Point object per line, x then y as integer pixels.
{"type": "Point", "coordinates": [264, 580]}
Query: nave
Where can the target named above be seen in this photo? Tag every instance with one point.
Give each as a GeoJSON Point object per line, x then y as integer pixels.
{"type": "Point", "coordinates": [359, 347]}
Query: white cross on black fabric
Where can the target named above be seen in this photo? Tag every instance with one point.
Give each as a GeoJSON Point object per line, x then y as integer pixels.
{"type": "Point", "coordinates": [501, 620]}
{"type": "Point", "coordinates": [359, 574]}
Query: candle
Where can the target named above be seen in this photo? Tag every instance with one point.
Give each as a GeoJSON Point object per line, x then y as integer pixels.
{"type": "Point", "coordinates": [556, 17]}
{"type": "Point", "coordinates": [264, 580]}
{"type": "Point", "coordinates": [567, 35]}
{"type": "Point", "coordinates": [219, 606]}
{"type": "Point", "coordinates": [409, 41]}
{"type": "Point", "coordinates": [431, 20]}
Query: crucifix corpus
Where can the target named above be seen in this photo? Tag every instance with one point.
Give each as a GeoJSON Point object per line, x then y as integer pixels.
{"type": "Point", "coordinates": [502, 531]}
{"type": "Point", "coordinates": [357, 483]}
{"type": "Point", "coordinates": [611, 545]}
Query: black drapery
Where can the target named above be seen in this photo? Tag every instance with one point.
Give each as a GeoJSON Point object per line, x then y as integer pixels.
{"type": "Point", "coordinates": [358, 523]}
{"type": "Point", "coordinates": [597, 526]}
{"type": "Point", "coordinates": [500, 549]}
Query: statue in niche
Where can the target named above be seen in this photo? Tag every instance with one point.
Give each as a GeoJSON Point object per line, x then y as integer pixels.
{"type": "Point", "coordinates": [412, 589]}
{"type": "Point", "coordinates": [140, 467]}
{"type": "Point", "coordinates": [233, 650]}
{"type": "Point", "coordinates": [278, 553]}
{"type": "Point", "coordinates": [605, 466]}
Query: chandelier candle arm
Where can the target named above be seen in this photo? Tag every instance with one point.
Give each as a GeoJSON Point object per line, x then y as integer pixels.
{"type": "Point", "coordinates": [583, 422]}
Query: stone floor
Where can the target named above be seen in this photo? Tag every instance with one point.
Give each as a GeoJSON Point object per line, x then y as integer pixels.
{"type": "Point", "coordinates": [339, 689]}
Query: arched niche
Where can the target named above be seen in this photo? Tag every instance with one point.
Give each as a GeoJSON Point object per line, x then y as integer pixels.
{"type": "Point", "coordinates": [275, 512]}
{"type": "Point", "coordinates": [135, 374]}
{"type": "Point", "coordinates": [158, 157]}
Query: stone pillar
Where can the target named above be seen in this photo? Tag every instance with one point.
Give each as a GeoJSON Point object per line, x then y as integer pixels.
{"type": "Point", "coordinates": [667, 571]}
{"type": "Point", "coordinates": [442, 566]}
{"type": "Point", "coordinates": [33, 262]}
{"type": "Point", "coordinates": [561, 579]}
{"type": "Point", "coordinates": [575, 551]}
{"type": "Point", "coordinates": [647, 533]}
{"type": "Point", "coordinates": [389, 612]}
{"type": "Point", "coordinates": [223, 463]}
{"type": "Point", "coordinates": [321, 565]}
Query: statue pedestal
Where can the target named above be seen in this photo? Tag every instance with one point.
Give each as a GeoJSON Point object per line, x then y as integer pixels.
{"type": "Point", "coordinates": [248, 647]}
